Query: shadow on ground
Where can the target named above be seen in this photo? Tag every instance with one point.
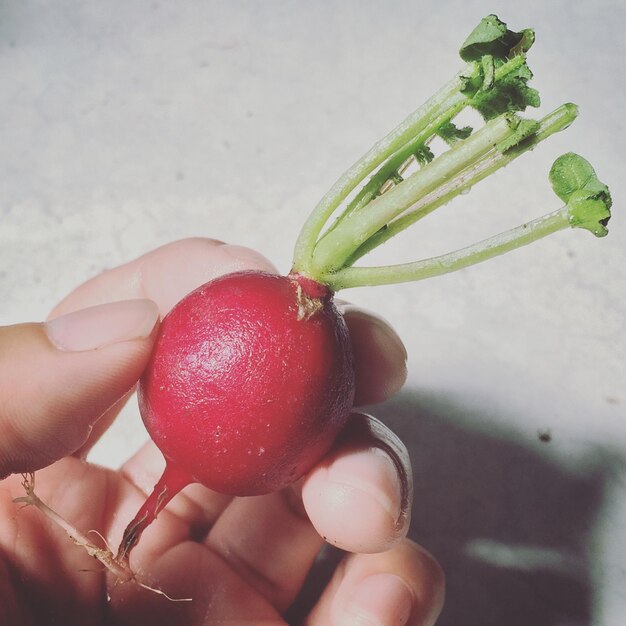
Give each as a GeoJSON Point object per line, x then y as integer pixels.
{"type": "Point", "coordinates": [510, 528]}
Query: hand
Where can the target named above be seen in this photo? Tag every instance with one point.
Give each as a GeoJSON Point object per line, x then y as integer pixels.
{"type": "Point", "coordinates": [241, 560]}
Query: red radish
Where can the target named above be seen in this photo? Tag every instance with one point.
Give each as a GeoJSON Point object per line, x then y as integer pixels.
{"type": "Point", "coordinates": [251, 377]}
{"type": "Point", "coordinates": [254, 372]}
{"type": "Point", "coordinates": [250, 381]}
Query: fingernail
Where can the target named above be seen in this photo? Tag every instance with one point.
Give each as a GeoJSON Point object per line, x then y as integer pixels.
{"type": "Point", "coordinates": [382, 330]}
{"type": "Point", "coordinates": [380, 600]}
{"type": "Point", "coordinates": [388, 336]}
{"type": "Point", "coordinates": [103, 325]}
{"type": "Point", "coordinates": [372, 472]}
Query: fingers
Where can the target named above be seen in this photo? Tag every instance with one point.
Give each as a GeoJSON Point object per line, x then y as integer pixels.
{"type": "Point", "coordinates": [269, 542]}
{"type": "Point", "coordinates": [58, 378]}
{"type": "Point", "coordinates": [403, 586]}
{"type": "Point", "coordinates": [359, 497]}
{"type": "Point", "coordinates": [379, 356]}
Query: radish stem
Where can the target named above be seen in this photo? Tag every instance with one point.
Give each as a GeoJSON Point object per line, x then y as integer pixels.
{"type": "Point", "coordinates": [388, 171]}
{"type": "Point", "coordinates": [467, 88]}
{"type": "Point", "coordinates": [554, 122]}
{"type": "Point", "coordinates": [335, 248]}
{"type": "Point", "coordinates": [445, 98]}
{"type": "Point", "coordinates": [171, 482]}
{"type": "Point", "coordinates": [457, 94]}
{"type": "Point", "coordinates": [574, 181]}
{"type": "Point", "coordinates": [452, 261]}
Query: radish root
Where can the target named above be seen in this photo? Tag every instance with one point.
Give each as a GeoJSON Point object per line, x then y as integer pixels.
{"type": "Point", "coordinates": [119, 568]}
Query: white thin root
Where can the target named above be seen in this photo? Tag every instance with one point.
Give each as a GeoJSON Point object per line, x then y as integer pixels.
{"type": "Point", "coordinates": [162, 593]}
{"type": "Point", "coordinates": [120, 570]}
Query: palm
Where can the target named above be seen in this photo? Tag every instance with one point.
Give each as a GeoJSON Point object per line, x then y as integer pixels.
{"type": "Point", "coordinates": [52, 581]}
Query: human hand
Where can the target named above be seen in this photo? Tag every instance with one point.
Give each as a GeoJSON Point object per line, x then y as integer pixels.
{"type": "Point", "coordinates": [241, 560]}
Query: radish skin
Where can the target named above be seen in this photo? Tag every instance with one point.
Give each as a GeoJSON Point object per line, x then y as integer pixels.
{"type": "Point", "coordinates": [250, 381]}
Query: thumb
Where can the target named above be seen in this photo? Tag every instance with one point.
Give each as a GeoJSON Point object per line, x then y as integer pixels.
{"type": "Point", "coordinates": [58, 378]}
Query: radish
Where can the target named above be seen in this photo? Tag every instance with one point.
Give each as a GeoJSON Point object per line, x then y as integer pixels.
{"type": "Point", "coordinates": [256, 369]}
{"type": "Point", "coordinates": [252, 377]}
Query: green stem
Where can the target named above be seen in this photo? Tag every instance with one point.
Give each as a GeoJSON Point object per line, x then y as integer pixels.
{"type": "Point", "coordinates": [391, 167]}
{"type": "Point", "coordinates": [443, 106]}
{"type": "Point", "coordinates": [397, 160]}
{"type": "Point", "coordinates": [452, 261]}
{"type": "Point", "coordinates": [554, 122]}
{"type": "Point", "coordinates": [332, 251]}
{"type": "Point", "coordinates": [370, 161]}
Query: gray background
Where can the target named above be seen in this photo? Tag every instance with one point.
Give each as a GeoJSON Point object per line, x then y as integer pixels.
{"type": "Point", "coordinates": [125, 125]}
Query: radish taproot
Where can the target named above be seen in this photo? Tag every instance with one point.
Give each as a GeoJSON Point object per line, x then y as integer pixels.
{"type": "Point", "coordinates": [251, 378]}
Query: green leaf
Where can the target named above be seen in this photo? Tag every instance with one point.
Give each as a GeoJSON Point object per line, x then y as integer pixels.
{"type": "Point", "coordinates": [492, 37]}
{"type": "Point", "coordinates": [510, 93]}
{"type": "Point", "coordinates": [588, 199]}
{"type": "Point", "coordinates": [491, 45]}
{"type": "Point", "coordinates": [523, 129]}
{"type": "Point", "coordinates": [589, 213]}
{"type": "Point", "coordinates": [525, 43]}
{"type": "Point", "coordinates": [571, 173]}
{"type": "Point", "coordinates": [424, 155]}
{"type": "Point", "coordinates": [488, 68]}
{"type": "Point", "coordinates": [451, 133]}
